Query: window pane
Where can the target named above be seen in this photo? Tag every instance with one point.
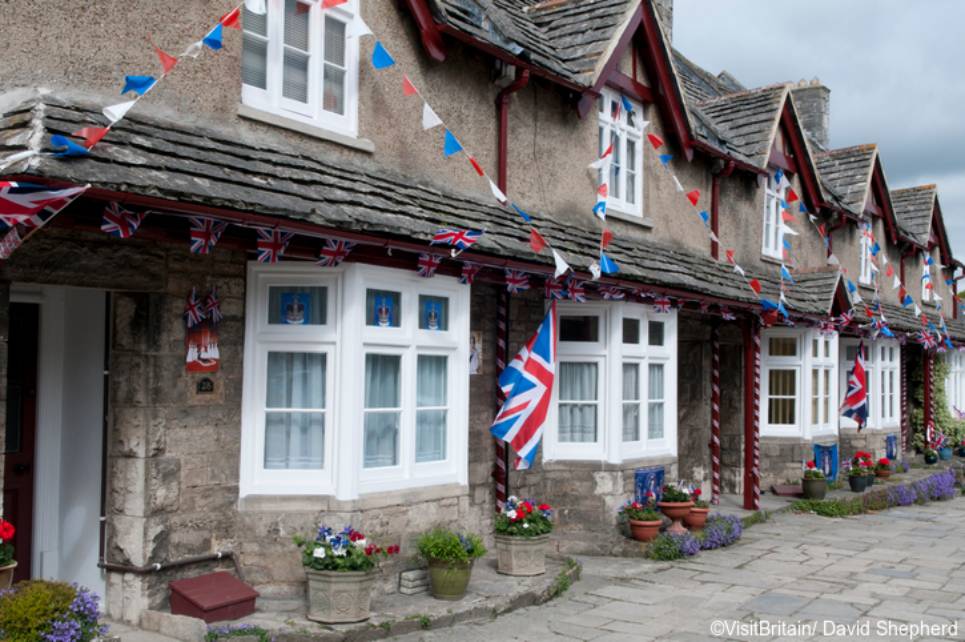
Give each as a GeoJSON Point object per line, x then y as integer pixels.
{"type": "Point", "coordinates": [334, 41]}
{"type": "Point", "coordinates": [655, 385]}
{"type": "Point", "coordinates": [579, 328]}
{"type": "Point", "coordinates": [254, 62]}
{"type": "Point", "coordinates": [782, 346]}
{"type": "Point", "coordinates": [431, 381]}
{"type": "Point", "coordinates": [296, 380]}
{"type": "Point", "coordinates": [383, 308]}
{"type": "Point", "coordinates": [782, 383]}
{"type": "Point", "coordinates": [655, 392]}
{"type": "Point", "coordinates": [631, 381]}
{"type": "Point", "coordinates": [296, 24]}
{"type": "Point", "coordinates": [655, 420]}
{"type": "Point", "coordinates": [296, 305]}
{"type": "Point", "coordinates": [255, 23]}
{"type": "Point", "coordinates": [333, 99]}
{"type": "Point", "coordinates": [615, 165]}
{"type": "Point", "coordinates": [781, 396]}
{"type": "Point", "coordinates": [295, 76]}
{"type": "Point", "coordinates": [815, 396]}
{"type": "Point", "coordinates": [826, 410]}
{"type": "Point", "coordinates": [433, 312]}
{"type": "Point", "coordinates": [631, 331]}
{"type": "Point", "coordinates": [294, 440]}
{"type": "Point", "coordinates": [578, 382]}
{"type": "Point", "coordinates": [430, 438]}
{"type": "Point", "coordinates": [382, 380]}
{"type": "Point", "coordinates": [631, 393]}
{"type": "Point", "coordinates": [381, 439]}
{"type": "Point", "coordinates": [631, 192]}
{"type": "Point", "coordinates": [655, 331]}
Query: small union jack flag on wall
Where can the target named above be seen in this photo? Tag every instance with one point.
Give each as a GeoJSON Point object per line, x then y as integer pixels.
{"type": "Point", "coordinates": [205, 234]}
{"type": "Point", "coordinates": [554, 289]}
{"type": "Point", "coordinates": [334, 252]}
{"type": "Point", "coordinates": [119, 222]}
{"type": "Point", "coordinates": [212, 306]}
{"type": "Point", "coordinates": [461, 239]}
{"type": "Point", "coordinates": [726, 314]}
{"type": "Point", "coordinates": [661, 305]}
{"type": "Point", "coordinates": [193, 312]}
{"type": "Point", "coordinates": [612, 293]}
{"type": "Point", "coordinates": [272, 244]}
{"type": "Point", "coordinates": [428, 264]}
{"type": "Point", "coordinates": [577, 291]}
{"type": "Point", "coordinates": [516, 281]}
{"type": "Point", "coordinates": [469, 272]}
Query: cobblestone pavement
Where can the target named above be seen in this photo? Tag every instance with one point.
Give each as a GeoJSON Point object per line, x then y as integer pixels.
{"type": "Point", "coordinates": [892, 569]}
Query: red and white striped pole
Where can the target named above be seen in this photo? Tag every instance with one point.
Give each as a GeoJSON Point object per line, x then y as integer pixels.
{"type": "Point", "coordinates": [903, 379]}
{"type": "Point", "coordinates": [757, 416]}
{"type": "Point", "coordinates": [715, 414]}
{"type": "Point", "coordinates": [501, 465]}
{"type": "Point", "coordinates": [752, 411]}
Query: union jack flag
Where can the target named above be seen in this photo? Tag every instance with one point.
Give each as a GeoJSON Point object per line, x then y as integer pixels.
{"type": "Point", "coordinates": [271, 244]}
{"type": "Point", "coordinates": [334, 252]}
{"type": "Point", "coordinates": [577, 291]}
{"type": "Point", "coordinates": [20, 202]}
{"type": "Point", "coordinates": [212, 306]}
{"type": "Point", "coordinates": [855, 403]}
{"type": "Point", "coordinates": [726, 314]}
{"type": "Point", "coordinates": [926, 340]}
{"type": "Point", "coordinates": [613, 293]}
{"type": "Point", "coordinates": [827, 327]}
{"type": "Point", "coordinates": [527, 383]}
{"type": "Point", "coordinates": [469, 272]}
{"type": "Point", "coordinates": [119, 222]}
{"type": "Point", "coordinates": [554, 289]}
{"type": "Point", "coordinates": [205, 234]}
{"type": "Point", "coordinates": [516, 281]}
{"type": "Point", "coordinates": [462, 239]}
{"type": "Point", "coordinates": [845, 319]}
{"type": "Point", "coordinates": [428, 264]}
{"type": "Point", "coordinates": [661, 305]}
{"type": "Point", "coordinates": [193, 312]}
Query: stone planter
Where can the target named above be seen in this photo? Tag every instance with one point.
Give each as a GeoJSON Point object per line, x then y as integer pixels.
{"type": "Point", "coordinates": [336, 597]}
{"type": "Point", "coordinates": [644, 531]}
{"type": "Point", "coordinates": [858, 483]}
{"type": "Point", "coordinates": [945, 453]}
{"type": "Point", "coordinates": [449, 580]}
{"type": "Point", "coordinates": [6, 575]}
{"type": "Point", "coordinates": [676, 511]}
{"type": "Point", "coordinates": [883, 474]}
{"type": "Point", "coordinates": [814, 488]}
{"type": "Point", "coordinates": [521, 555]}
{"type": "Point", "coordinates": [696, 518]}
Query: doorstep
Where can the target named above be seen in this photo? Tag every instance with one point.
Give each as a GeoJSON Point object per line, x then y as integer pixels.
{"type": "Point", "coordinates": [490, 594]}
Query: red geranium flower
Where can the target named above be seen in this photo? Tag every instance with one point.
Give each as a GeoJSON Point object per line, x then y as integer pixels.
{"type": "Point", "coordinates": [527, 507]}
{"type": "Point", "coordinates": [7, 531]}
{"type": "Point", "coordinates": [544, 507]}
{"type": "Point", "coordinates": [696, 492]}
{"type": "Point", "coordinates": [811, 465]}
{"type": "Point", "coordinates": [884, 461]}
{"type": "Point", "coordinates": [392, 550]}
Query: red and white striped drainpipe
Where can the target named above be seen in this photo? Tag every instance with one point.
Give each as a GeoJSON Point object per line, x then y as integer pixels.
{"type": "Point", "coordinates": [715, 414]}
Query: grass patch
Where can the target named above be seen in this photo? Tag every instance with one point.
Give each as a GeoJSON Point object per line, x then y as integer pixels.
{"type": "Point", "coordinates": [829, 507]}
{"type": "Point", "coordinates": [759, 517]}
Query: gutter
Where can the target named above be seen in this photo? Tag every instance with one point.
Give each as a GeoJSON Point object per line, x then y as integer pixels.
{"type": "Point", "coordinates": [502, 123]}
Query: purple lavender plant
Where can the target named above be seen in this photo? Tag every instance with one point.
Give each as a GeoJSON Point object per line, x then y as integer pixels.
{"type": "Point", "coordinates": [688, 544]}
{"type": "Point", "coordinates": [902, 495]}
{"type": "Point", "coordinates": [720, 531]}
{"type": "Point", "coordinates": [905, 466]}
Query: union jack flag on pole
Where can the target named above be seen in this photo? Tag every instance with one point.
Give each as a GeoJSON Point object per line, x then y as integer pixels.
{"type": "Point", "coordinates": [461, 239]}
{"type": "Point", "coordinates": [119, 222]}
{"type": "Point", "coordinates": [205, 234]}
{"type": "Point", "coordinates": [272, 244]}
{"type": "Point", "coordinates": [334, 252]}
{"type": "Point", "coordinates": [527, 383]}
{"type": "Point", "coordinates": [19, 202]}
{"type": "Point", "coordinates": [855, 403]}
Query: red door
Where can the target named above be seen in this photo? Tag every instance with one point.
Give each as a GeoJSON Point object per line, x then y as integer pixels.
{"type": "Point", "coordinates": [18, 466]}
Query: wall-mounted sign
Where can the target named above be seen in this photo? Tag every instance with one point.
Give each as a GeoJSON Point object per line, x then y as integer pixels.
{"type": "Point", "coordinates": [475, 351]}
{"type": "Point", "coordinates": [295, 308]}
{"type": "Point", "coordinates": [205, 386]}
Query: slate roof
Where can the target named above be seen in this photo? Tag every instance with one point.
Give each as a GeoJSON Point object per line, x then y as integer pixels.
{"type": "Point", "coordinates": [170, 160]}
{"type": "Point", "coordinates": [848, 172]}
{"type": "Point", "coordinates": [746, 121]}
{"type": "Point", "coordinates": [913, 208]}
{"type": "Point", "coordinates": [566, 37]}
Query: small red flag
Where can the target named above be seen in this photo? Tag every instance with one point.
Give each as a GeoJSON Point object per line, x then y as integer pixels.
{"type": "Point", "coordinates": [901, 293]}
{"type": "Point", "coordinates": [890, 271]}
{"type": "Point", "coordinates": [91, 135]}
{"type": "Point", "coordinates": [693, 197]}
{"type": "Point", "coordinates": [476, 166]}
{"type": "Point", "coordinates": [407, 87]}
{"type": "Point", "coordinates": [328, 4]}
{"type": "Point", "coordinates": [730, 255]}
{"type": "Point", "coordinates": [232, 19]}
{"type": "Point", "coordinates": [786, 216]}
{"type": "Point", "coordinates": [791, 195]}
{"type": "Point", "coordinates": [602, 190]}
{"type": "Point", "coordinates": [821, 230]}
{"type": "Point", "coordinates": [606, 238]}
{"type": "Point", "coordinates": [607, 151]}
{"type": "Point", "coordinates": [167, 60]}
{"type": "Point", "coordinates": [756, 286]}
{"type": "Point", "coordinates": [536, 241]}
{"type": "Point", "coordinates": [655, 140]}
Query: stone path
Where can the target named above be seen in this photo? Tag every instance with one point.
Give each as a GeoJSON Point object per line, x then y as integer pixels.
{"type": "Point", "coordinates": [901, 566]}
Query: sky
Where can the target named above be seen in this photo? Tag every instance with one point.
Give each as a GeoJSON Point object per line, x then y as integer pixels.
{"type": "Point", "coordinates": [895, 71]}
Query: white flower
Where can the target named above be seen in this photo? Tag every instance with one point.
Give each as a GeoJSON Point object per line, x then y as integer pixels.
{"type": "Point", "coordinates": [361, 543]}
{"type": "Point", "coordinates": [525, 525]}
{"type": "Point", "coordinates": [511, 514]}
{"type": "Point", "coordinates": [512, 499]}
{"type": "Point", "coordinates": [319, 552]}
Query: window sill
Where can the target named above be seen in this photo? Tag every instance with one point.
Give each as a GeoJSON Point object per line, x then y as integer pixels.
{"type": "Point", "coordinates": [642, 221]}
{"type": "Point", "coordinates": [767, 258]}
{"type": "Point", "coordinates": [251, 113]}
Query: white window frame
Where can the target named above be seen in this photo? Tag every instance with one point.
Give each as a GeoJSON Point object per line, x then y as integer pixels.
{"type": "Point", "coordinates": [888, 365]}
{"type": "Point", "coordinates": [346, 339]}
{"type": "Point", "coordinates": [271, 99]}
{"type": "Point", "coordinates": [611, 353]}
{"type": "Point", "coordinates": [772, 244]}
{"type": "Point", "coordinates": [955, 381]}
{"type": "Point", "coordinates": [805, 425]}
{"type": "Point", "coordinates": [875, 369]}
{"type": "Point", "coordinates": [620, 206]}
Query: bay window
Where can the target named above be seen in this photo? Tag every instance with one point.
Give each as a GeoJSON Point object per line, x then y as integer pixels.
{"type": "Point", "coordinates": [883, 380]}
{"type": "Point", "coordinates": [797, 394]}
{"type": "Point", "coordinates": [356, 381]}
{"type": "Point", "coordinates": [298, 62]}
{"type": "Point", "coordinates": [773, 237]}
{"type": "Point", "coordinates": [624, 131]}
{"type": "Point", "coordinates": [615, 392]}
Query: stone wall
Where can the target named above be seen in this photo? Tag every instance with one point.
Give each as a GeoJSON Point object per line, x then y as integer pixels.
{"type": "Point", "coordinates": [869, 440]}
{"type": "Point", "coordinates": [782, 458]}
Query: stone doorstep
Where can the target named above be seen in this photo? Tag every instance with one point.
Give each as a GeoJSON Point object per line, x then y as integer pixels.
{"type": "Point", "coordinates": [490, 594]}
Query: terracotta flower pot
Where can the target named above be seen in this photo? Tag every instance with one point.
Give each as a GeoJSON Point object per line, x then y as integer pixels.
{"type": "Point", "coordinates": [696, 518]}
{"type": "Point", "coordinates": [884, 474]}
{"type": "Point", "coordinates": [814, 488]}
{"type": "Point", "coordinates": [644, 531]}
{"type": "Point", "coordinates": [676, 511]}
{"type": "Point", "coordinates": [449, 580]}
{"type": "Point", "coordinates": [336, 597]}
{"type": "Point", "coordinates": [521, 555]}
{"type": "Point", "coordinates": [6, 575]}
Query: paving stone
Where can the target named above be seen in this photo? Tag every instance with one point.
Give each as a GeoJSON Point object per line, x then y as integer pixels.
{"type": "Point", "coordinates": [774, 603]}
{"type": "Point", "coordinates": [838, 611]}
{"type": "Point", "coordinates": [627, 594]}
{"type": "Point", "coordinates": [891, 572]}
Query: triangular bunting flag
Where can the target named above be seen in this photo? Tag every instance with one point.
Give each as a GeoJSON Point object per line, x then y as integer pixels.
{"type": "Point", "coordinates": [475, 165]}
{"type": "Point", "coordinates": [213, 40]}
{"type": "Point", "coordinates": [756, 286]}
{"type": "Point", "coordinates": [536, 240]}
{"type": "Point", "coordinates": [791, 195]}
{"type": "Point", "coordinates": [407, 87]}
{"type": "Point", "coordinates": [498, 194]}
{"type": "Point", "coordinates": [429, 117]}
{"type": "Point", "coordinates": [605, 238]}
{"type": "Point", "coordinates": [666, 158]}
{"type": "Point", "coordinates": [167, 60]}
{"type": "Point", "coordinates": [256, 7]}
{"type": "Point", "coordinates": [526, 217]}
{"type": "Point", "coordinates": [357, 28]}
{"type": "Point", "coordinates": [232, 19]}
{"type": "Point", "coordinates": [91, 135]}
{"type": "Point", "coordinates": [380, 57]}
{"type": "Point", "coordinates": [67, 148]}
{"type": "Point", "coordinates": [138, 84]}
{"type": "Point", "coordinates": [676, 183]}
{"type": "Point", "coordinates": [655, 140]}
{"type": "Point", "coordinates": [116, 112]}
{"type": "Point", "coordinates": [451, 145]}
{"type": "Point", "coordinates": [693, 196]}
{"type": "Point", "coordinates": [562, 267]}
{"type": "Point", "coordinates": [608, 265]}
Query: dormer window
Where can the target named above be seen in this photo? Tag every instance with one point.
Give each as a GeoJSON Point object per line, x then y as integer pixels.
{"type": "Point", "coordinates": [299, 64]}
{"type": "Point", "coordinates": [773, 243]}
{"type": "Point", "coordinates": [624, 131]}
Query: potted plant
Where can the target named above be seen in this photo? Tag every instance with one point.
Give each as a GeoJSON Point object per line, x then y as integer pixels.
{"type": "Point", "coordinates": [883, 468]}
{"type": "Point", "coordinates": [675, 504]}
{"type": "Point", "coordinates": [942, 446]}
{"type": "Point", "coordinates": [522, 532]}
{"type": "Point", "coordinates": [450, 557]}
{"type": "Point", "coordinates": [643, 519]}
{"type": "Point", "coordinates": [961, 449]}
{"type": "Point", "coordinates": [857, 478]}
{"type": "Point", "coordinates": [7, 563]}
{"type": "Point", "coordinates": [697, 517]}
{"type": "Point", "coordinates": [931, 456]}
{"type": "Point", "coordinates": [341, 572]}
{"type": "Point", "coordinates": [814, 484]}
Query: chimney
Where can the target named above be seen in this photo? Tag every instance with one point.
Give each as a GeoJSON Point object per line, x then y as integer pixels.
{"type": "Point", "coordinates": [664, 10]}
{"type": "Point", "coordinates": [813, 103]}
